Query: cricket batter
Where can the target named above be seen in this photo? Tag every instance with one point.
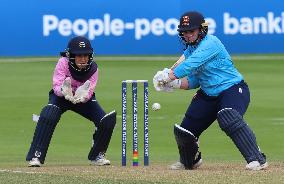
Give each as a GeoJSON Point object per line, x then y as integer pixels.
{"type": "Point", "coordinates": [74, 80]}
{"type": "Point", "coordinates": [223, 95]}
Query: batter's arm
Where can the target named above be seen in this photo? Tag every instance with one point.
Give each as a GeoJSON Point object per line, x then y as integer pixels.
{"type": "Point", "coordinates": [184, 83]}
{"type": "Point", "coordinates": [180, 60]}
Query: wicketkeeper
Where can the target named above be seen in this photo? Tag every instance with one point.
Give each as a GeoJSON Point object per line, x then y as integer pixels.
{"type": "Point", "coordinates": [74, 81]}
{"type": "Point", "coordinates": [223, 95]}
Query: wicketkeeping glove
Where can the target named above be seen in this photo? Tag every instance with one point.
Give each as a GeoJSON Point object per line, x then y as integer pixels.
{"type": "Point", "coordinates": [66, 89]}
{"type": "Point", "coordinates": [82, 93]}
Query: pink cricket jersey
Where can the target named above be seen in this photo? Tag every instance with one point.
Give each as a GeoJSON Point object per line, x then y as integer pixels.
{"type": "Point", "coordinates": [61, 72]}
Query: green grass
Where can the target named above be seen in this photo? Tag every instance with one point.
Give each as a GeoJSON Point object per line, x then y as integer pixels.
{"type": "Point", "coordinates": [24, 91]}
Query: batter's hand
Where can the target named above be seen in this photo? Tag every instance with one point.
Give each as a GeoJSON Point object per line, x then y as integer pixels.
{"type": "Point", "coordinates": [165, 78]}
{"type": "Point", "coordinates": [82, 93]}
{"type": "Point", "coordinates": [66, 89]}
{"type": "Point", "coordinates": [175, 84]}
{"type": "Point", "coordinates": [159, 83]}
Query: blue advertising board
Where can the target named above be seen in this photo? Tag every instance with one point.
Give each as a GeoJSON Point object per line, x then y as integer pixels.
{"type": "Point", "coordinates": [43, 28]}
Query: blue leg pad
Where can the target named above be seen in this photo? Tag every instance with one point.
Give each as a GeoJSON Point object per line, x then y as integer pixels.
{"type": "Point", "coordinates": [187, 146]}
{"type": "Point", "coordinates": [47, 122]}
{"type": "Point", "coordinates": [232, 123]}
{"type": "Point", "coordinates": [102, 135]}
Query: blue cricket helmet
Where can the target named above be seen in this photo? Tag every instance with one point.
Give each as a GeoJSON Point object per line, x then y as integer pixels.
{"type": "Point", "coordinates": [79, 45]}
{"type": "Point", "coordinates": [190, 21]}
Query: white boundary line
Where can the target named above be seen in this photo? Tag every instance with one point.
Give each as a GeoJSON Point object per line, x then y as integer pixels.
{"type": "Point", "coordinates": [135, 58]}
{"type": "Point", "coordinates": [16, 171]}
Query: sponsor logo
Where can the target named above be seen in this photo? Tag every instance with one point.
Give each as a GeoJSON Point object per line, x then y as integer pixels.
{"type": "Point", "coordinates": [37, 154]}
{"type": "Point", "coordinates": [142, 27]}
{"type": "Point", "coordinates": [108, 26]}
{"type": "Point", "coordinates": [269, 24]}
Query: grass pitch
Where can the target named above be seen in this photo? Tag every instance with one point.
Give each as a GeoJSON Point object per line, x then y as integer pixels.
{"type": "Point", "coordinates": [24, 90]}
{"type": "Point", "coordinates": [211, 172]}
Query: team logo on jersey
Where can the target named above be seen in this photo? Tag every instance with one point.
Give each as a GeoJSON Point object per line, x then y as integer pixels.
{"type": "Point", "coordinates": [82, 44]}
{"type": "Point", "coordinates": [185, 20]}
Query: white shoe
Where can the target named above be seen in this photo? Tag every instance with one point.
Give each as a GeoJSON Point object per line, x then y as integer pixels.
{"type": "Point", "coordinates": [198, 164]}
{"type": "Point", "coordinates": [256, 166]}
{"type": "Point", "coordinates": [180, 166]}
{"type": "Point", "coordinates": [34, 162]}
{"type": "Point", "coordinates": [177, 166]}
{"type": "Point", "coordinates": [100, 160]}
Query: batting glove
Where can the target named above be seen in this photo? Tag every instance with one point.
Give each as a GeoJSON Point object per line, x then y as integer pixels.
{"type": "Point", "coordinates": [82, 93]}
{"type": "Point", "coordinates": [66, 89]}
{"type": "Point", "coordinates": [157, 81]}
{"type": "Point", "coordinates": [160, 84]}
{"type": "Point", "coordinates": [175, 84]}
{"type": "Point", "coordinates": [165, 75]}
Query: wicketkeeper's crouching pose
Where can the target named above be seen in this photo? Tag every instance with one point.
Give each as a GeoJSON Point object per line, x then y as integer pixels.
{"type": "Point", "coordinates": [223, 95]}
{"type": "Point", "coordinates": [74, 80]}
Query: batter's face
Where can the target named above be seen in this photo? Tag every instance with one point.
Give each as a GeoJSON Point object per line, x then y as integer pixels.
{"type": "Point", "coordinates": [81, 60]}
{"type": "Point", "coordinates": [191, 36]}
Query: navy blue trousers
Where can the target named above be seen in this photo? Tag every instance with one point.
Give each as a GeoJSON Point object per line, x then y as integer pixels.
{"type": "Point", "coordinates": [90, 110]}
{"type": "Point", "coordinates": [43, 133]}
{"type": "Point", "coordinates": [202, 111]}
